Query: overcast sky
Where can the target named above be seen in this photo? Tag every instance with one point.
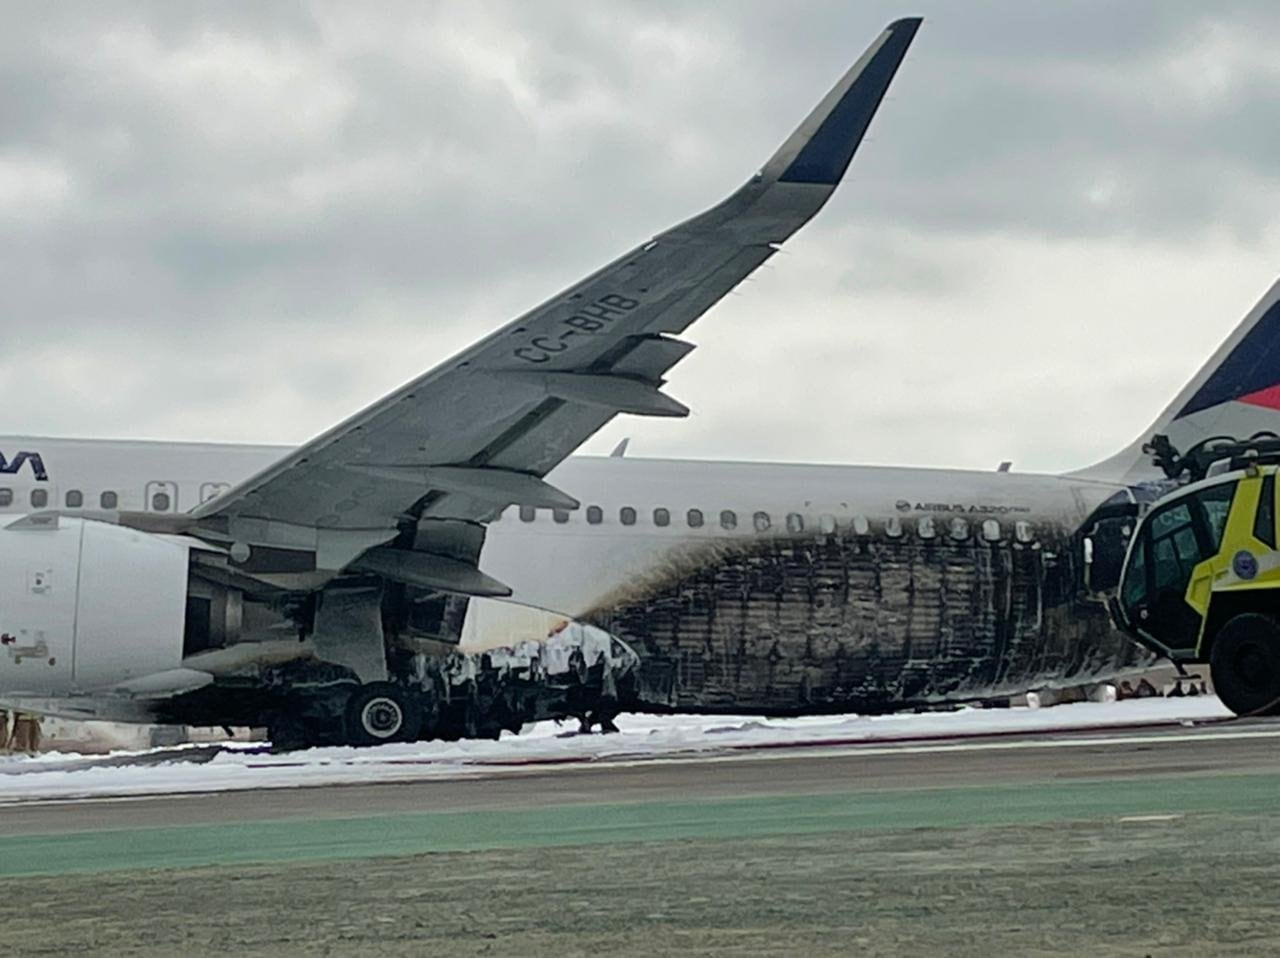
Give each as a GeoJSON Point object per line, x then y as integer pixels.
{"type": "Point", "coordinates": [242, 221]}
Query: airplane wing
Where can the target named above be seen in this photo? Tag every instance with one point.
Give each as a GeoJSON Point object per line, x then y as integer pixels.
{"type": "Point", "coordinates": [480, 431]}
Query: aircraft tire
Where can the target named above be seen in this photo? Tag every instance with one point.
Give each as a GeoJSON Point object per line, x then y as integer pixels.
{"type": "Point", "coordinates": [382, 712]}
{"type": "Point", "coordinates": [1245, 664]}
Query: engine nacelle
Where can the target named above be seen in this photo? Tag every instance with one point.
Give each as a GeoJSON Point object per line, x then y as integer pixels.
{"type": "Point", "coordinates": [85, 605]}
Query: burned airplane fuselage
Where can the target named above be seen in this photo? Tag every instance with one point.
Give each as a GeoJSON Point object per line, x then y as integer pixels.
{"type": "Point", "coordinates": [866, 622]}
{"type": "Point", "coordinates": [896, 601]}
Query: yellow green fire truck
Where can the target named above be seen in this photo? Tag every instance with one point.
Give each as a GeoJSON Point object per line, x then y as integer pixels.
{"type": "Point", "coordinates": [1201, 579]}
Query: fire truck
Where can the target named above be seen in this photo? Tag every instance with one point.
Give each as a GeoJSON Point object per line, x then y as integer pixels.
{"type": "Point", "coordinates": [1200, 581]}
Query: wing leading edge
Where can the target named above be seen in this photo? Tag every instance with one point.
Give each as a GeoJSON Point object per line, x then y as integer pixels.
{"type": "Point", "coordinates": [459, 444]}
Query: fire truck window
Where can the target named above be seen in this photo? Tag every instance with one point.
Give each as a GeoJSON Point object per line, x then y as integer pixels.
{"type": "Point", "coordinates": [1135, 582]}
{"type": "Point", "coordinates": [1174, 548]}
{"type": "Point", "coordinates": [1216, 503]}
{"type": "Point", "coordinates": [1264, 521]}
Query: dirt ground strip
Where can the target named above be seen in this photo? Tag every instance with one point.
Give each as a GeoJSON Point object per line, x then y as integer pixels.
{"type": "Point", "coordinates": [1201, 885]}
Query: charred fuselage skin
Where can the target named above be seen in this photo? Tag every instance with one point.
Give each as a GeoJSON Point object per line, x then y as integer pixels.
{"type": "Point", "coordinates": [831, 588]}
{"type": "Point", "coordinates": [867, 623]}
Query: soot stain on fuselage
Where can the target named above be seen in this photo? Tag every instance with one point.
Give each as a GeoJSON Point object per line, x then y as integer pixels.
{"type": "Point", "coordinates": [805, 623]}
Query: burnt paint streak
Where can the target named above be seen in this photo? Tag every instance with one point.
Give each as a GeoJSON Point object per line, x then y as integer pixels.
{"type": "Point", "coordinates": [811, 623]}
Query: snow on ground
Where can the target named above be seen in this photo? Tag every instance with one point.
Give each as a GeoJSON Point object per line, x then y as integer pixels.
{"type": "Point", "coordinates": [62, 776]}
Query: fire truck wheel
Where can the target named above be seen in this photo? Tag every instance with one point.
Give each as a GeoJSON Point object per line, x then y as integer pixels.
{"type": "Point", "coordinates": [1245, 664]}
{"type": "Point", "coordinates": [382, 712]}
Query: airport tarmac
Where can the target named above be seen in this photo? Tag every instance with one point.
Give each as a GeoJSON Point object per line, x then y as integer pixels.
{"type": "Point", "coordinates": [1147, 841]}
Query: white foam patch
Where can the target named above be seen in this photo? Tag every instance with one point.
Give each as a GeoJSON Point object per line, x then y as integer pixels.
{"type": "Point", "coordinates": [63, 776]}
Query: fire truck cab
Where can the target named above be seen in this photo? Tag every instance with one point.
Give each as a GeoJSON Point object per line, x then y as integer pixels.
{"type": "Point", "coordinates": [1201, 583]}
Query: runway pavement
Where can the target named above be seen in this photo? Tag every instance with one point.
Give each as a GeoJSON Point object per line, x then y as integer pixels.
{"type": "Point", "coordinates": [1044, 777]}
{"type": "Point", "coordinates": [1141, 842]}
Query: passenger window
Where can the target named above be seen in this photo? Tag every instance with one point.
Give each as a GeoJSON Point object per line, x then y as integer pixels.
{"type": "Point", "coordinates": [595, 515]}
{"type": "Point", "coordinates": [694, 518]}
{"type": "Point", "coordinates": [893, 527]}
{"type": "Point", "coordinates": [991, 530]}
{"type": "Point", "coordinates": [861, 526]}
{"type": "Point", "coordinates": [211, 490]}
{"type": "Point", "coordinates": [1264, 521]}
{"type": "Point", "coordinates": [827, 524]}
{"type": "Point", "coordinates": [959, 529]}
{"type": "Point", "coordinates": [561, 516]}
{"type": "Point", "coordinates": [160, 502]}
{"type": "Point", "coordinates": [1022, 531]}
{"type": "Point", "coordinates": [6, 498]}
{"type": "Point", "coordinates": [661, 517]}
{"type": "Point", "coordinates": [39, 498]}
{"type": "Point", "coordinates": [925, 528]}
{"type": "Point", "coordinates": [528, 513]}
{"type": "Point", "coordinates": [108, 500]}
{"type": "Point", "coordinates": [761, 521]}
{"type": "Point", "coordinates": [795, 522]}
{"type": "Point", "coordinates": [728, 519]}
{"type": "Point", "coordinates": [627, 516]}
{"type": "Point", "coordinates": [74, 499]}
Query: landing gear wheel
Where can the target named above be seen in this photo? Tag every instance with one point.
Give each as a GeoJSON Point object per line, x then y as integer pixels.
{"type": "Point", "coordinates": [1245, 664]}
{"type": "Point", "coordinates": [382, 712]}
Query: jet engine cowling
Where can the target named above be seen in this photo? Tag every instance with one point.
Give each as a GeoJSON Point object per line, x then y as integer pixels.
{"type": "Point", "coordinates": [87, 606]}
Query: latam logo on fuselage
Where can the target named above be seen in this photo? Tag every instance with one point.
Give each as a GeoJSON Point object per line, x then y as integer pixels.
{"type": "Point", "coordinates": [11, 467]}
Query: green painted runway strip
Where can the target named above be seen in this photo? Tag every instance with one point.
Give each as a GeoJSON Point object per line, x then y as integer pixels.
{"type": "Point", "coordinates": [418, 833]}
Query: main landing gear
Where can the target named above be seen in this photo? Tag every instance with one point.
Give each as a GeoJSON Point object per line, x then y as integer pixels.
{"type": "Point", "coordinates": [382, 712]}
{"type": "Point", "coordinates": [376, 713]}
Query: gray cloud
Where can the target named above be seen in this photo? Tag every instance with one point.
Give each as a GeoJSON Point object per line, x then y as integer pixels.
{"type": "Point", "coordinates": [243, 220]}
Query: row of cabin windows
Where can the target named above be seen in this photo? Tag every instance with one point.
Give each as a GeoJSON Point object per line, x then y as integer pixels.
{"type": "Point", "coordinates": [74, 499]}
{"type": "Point", "coordinates": [926, 527]}
{"type": "Point", "coordinates": [160, 501]}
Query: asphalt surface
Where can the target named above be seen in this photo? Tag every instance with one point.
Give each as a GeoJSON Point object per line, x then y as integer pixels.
{"type": "Point", "coordinates": [1244, 748]}
{"type": "Point", "coordinates": [1142, 843]}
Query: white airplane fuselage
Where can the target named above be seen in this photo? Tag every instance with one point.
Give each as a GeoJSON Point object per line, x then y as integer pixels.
{"type": "Point", "coordinates": [741, 586]}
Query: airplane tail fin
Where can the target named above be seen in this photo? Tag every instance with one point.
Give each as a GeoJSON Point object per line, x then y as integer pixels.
{"type": "Point", "coordinates": [1236, 393]}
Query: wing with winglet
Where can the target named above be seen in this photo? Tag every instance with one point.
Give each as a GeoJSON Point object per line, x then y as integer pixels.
{"type": "Point", "coordinates": [429, 464]}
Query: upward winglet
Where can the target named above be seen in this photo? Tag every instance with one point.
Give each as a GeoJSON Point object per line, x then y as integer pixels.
{"type": "Point", "coordinates": [801, 176]}
{"type": "Point", "coordinates": [820, 149]}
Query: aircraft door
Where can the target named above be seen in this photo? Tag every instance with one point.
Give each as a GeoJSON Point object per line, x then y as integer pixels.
{"type": "Point", "coordinates": [161, 496]}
